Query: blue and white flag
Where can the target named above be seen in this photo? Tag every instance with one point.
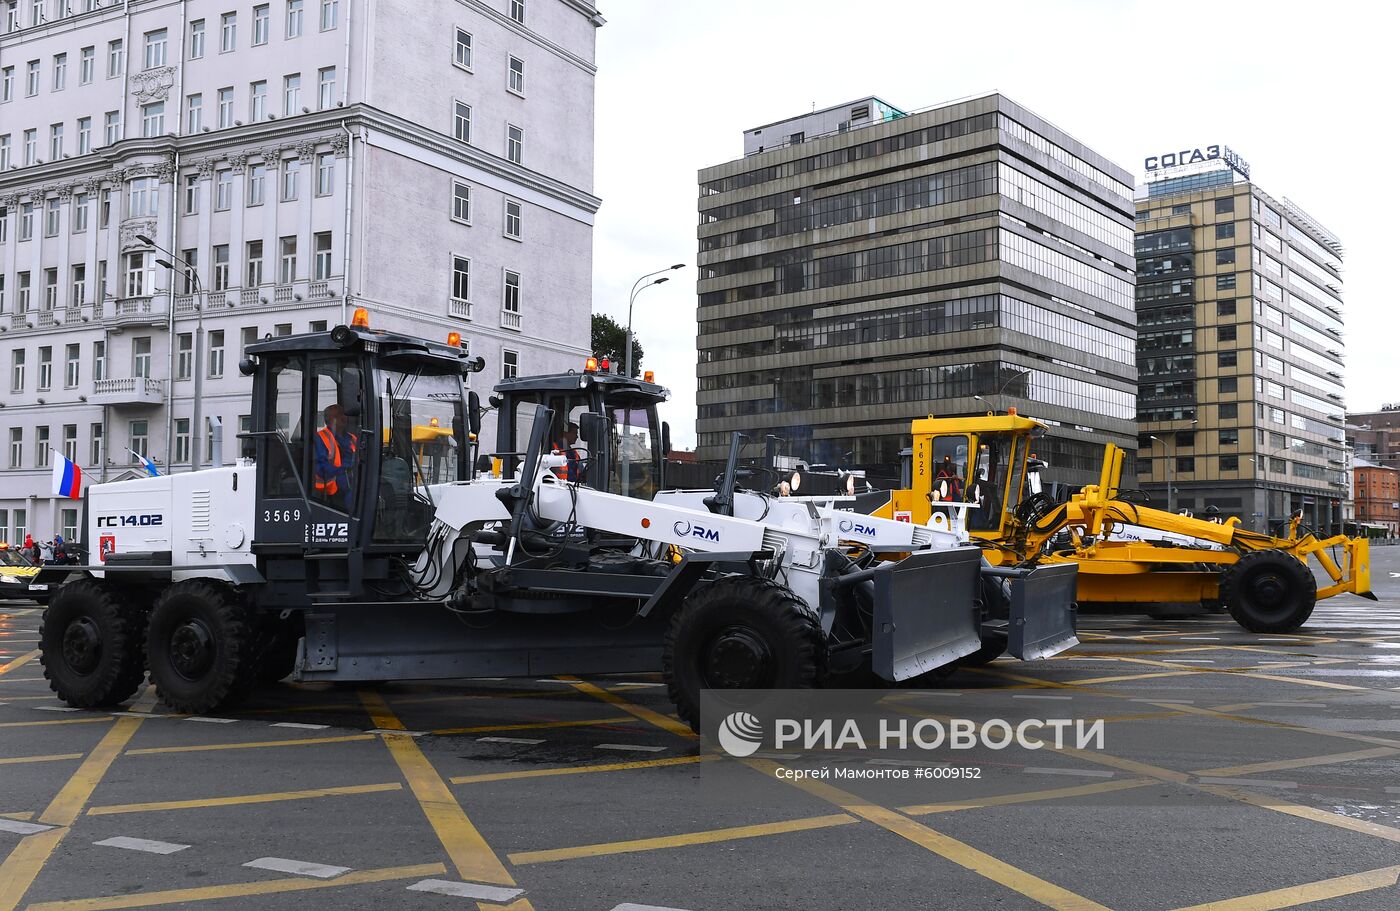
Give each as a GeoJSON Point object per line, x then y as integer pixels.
{"type": "Point", "coordinates": [146, 463]}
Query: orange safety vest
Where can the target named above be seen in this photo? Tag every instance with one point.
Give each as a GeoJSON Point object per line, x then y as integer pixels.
{"type": "Point", "coordinates": [331, 487]}
{"type": "Point", "coordinates": [564, 471]}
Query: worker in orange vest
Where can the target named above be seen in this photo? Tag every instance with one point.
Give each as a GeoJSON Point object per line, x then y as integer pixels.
{"type": "Point", "coordinates": [566, 445]}
{"type": "Point", "coordinates": [335, 457]}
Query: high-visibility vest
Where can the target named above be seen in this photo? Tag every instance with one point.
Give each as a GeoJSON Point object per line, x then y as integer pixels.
{"type": "Point", "coordinates": [568, 472]}
{"type": "Point", "coordinates": [329, 486]}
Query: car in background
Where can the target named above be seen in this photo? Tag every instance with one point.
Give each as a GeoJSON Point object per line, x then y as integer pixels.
{"type": "Point", "coordinates": [16, 572]}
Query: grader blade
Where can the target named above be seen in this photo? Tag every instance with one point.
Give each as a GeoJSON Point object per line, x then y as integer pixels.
{"type": "Point", "coordinates": [926, 613]}
{"type": "Point", "coordinates": [1042, 612]}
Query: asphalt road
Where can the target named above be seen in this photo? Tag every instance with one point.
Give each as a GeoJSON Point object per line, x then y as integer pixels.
{"type": "Point", "coordinates": [1238, 773]}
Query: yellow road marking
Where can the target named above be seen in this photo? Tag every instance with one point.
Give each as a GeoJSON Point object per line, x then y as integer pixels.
{"type": "Point", "coordinates": [272, 797]}
{"type": "Point", "coordinates": [556, 693]}
{"type": "Point", "coordinates": [20, 869]}
{"type": "Point", "coordinates": [470, 854]}
{"type": "Point", "coordinates": [20, 816]}
{"type": "Point", "coordinates": [534, 726]}
{"type": "Point", "coordinates": [19, 662]}
{"type": "Point", "coordinates": [235, 890]}
{"type": "Point", "coordinates": [708, 836]}
{"type": "Point", "coordinates": [87, 719]}
{"type": "Point", "coordinates": [1003, 800]}
{"type": "Point", "coordinates": [1311, 892]}
{"type": "Point", "coordinates": [1268, 802]}
{"type": "Point", "coordinates": [579, 769]}
{"type": "Point", "coordinates": [53, 757]}
{"type": "Point", "coordinates": [1284, 764]}
{"type": "Point", "coordinates": [308, 741]}
{"type": "Point", "coordinates": [665, 722]}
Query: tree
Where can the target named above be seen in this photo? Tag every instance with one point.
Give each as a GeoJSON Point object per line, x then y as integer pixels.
{"type": "Point", "coordinates": [610, 341]}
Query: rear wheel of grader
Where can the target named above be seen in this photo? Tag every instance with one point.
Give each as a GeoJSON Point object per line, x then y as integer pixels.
{"type": "Point", "coordinates": [740, 633]}
{"type": "Point", "coordinates": [91, 644]}
{"type": "Point", "coordinates": [1268, 591]}
{"type": "Point", "coordinates": [201, 645]}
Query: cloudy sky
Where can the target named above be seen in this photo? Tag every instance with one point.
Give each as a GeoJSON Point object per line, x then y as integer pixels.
{"type": "Point", "coordinates": [1305, 92]}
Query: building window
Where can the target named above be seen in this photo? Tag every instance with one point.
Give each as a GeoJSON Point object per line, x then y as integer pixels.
{"type": "Point", "coordinates": [1225, 282]}
{"type": "Point", "coordinates": [512, 221]}
{"type": "Point", "coordinates": [116, 58]}
{"type": "Point", "coordinates": [141, 357]}
{"type": "Point", "coordinates": [291, 94]}
{"type": "Point", "coordinates": [17, 370]}
{"type": "Point", "coordinates": [1225, 308]}
{"type": "Point", "coordinates": [515, 79]}
{"type": "Point", "coordinates": [295, 14]}
{"type": "Point", "coordinates": [461, 278]}
{"type": "Point", "coordinates": [1228, 385]}
{"type": "Point", "coordinates": [461, 202]}
{"type": "Point", "coordinates": [261, 17]}
{"type": "Point", "coordinates": [221, 268]}
{"type": "Point", "coordinates": [1229, 437]}
{"type": "Point", "coordinates": [216, 353]}
{"type": "Point", "coordinates": [194, 113]}
{"type": "Point", "coordinates": [84, 135]}
{"type": "Point", "coordinates": [152, 119]}
{"type": "Point", "coordinates": [60, 71]}
{"type": "Point", "coordinates": [462, 121]}
{"type": "Point", "coordinates": [256, 175]}
{"type": "Point", "coordinates": [515, 143]}
{"type": "Point", "coordinates": [325, 88]}
{"type": "Point", "coordinates": [87, 58]}
{"type": "Point", "coordinates": [257, 101]}
{"type": "Point", "coordinates": [1225, 257]}
{"type": "Point", "coordinates": [50, 289]}
{"type": "Point", "coordinates": [144, 197]}
{"type": "Point", "coordinates": [223, 189]}
{"type": "Point", "coordinates": [184, 359]}
{"type": "Point", "coordinates": [78, 285]}
{"type": "Point", "coordinates": [16, 451]}
{"type": "Point", "coordinates": [517, 11]}
{"type": "Point", "coordinates": [26, 221]}
{"type": "Point", "coordinates": [31, 79]}
{"type": "Point", "coordinates": [1224, 205]}
{"type": "Point", "coordinates": [41, 447]}
{"type": "Point", "coordinates": [45, 368]}
{"type": "Point", "coordinates": [95, 445]}
{"type": "Point", "coordinates": [248, 336]}
{"type": "Point", "coordinates": [1229, 463]}
{"type": "Point", "coordinates": [228, 32]}
{"type": "Point", "coordinates": [1185, 464]}
{"type": "Point", "coordinates": [155, 49]}
{"type": "Point", "coordinates": [1225, 333]}
{"type": "Point", "coordinates": [291, 178]}
{"type": "Point", "coordinates": [4, 158]}
{"type": "Point", "coordinates": [72, 366]}
{"type": "Point", "coordinates": [196, 39]}
{"type": "Point", "coordinates": [139, 432]}
{"type": "Point", "coordinates": [1229, 411]}
{"type": "Point", "coordinates": [1225, 230]}
{"type": "Point", "coordinates": [510, 364]}
{"type": "Point", "coordinates": [182, 440]}
{"type": "Point", "coordinates": [99, 361]}
{"type": "Point", "coordinates": [51, 217]}
{"type": "Point", "coordinates": [31, 147]}
{"type": "Point", "coordinates": [188, 273]}
{"type": "Point", "coordinates": [510, 302]}
{"type": "Point", "coordinates": [462, 54]}
{"type": "Point", "coordinates": [287, 263]}
{"type": "Point", "coordinates": [7, 84]}
{"type": "Point", "coordinates": [255, 263]}
{"type": "Point", "coordinates": [325, 174]}
{"type": "Point", "coordinates": [330, 14]}
{"type": "Point", "coordinates": [70, 451]}
{"type": "Point", "coordinates": [55, 142]}
{"type": "Point", "coordinates": [323, 255]}
{"type": "Point", "coordinates": [111, 127]}
{"type": "Point", "coordinates": [225, 108]}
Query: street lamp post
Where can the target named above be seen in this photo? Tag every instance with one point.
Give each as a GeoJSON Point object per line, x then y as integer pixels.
{"type": "Point", "coordinates": [1171, 470]}
{"type": "Point", "coordinates": [197, 417]}
{"type": "Point", "coordinates": [1016, 376]}
{"type": "Point", "coordinates": [637, 288]}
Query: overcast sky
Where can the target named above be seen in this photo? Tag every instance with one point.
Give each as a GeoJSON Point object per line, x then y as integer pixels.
{"type": "Point", "coordinates": [1306, 92]}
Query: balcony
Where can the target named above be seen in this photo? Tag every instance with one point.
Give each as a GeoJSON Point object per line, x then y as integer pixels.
{"type": "Point", "coordinates": [459, 308]}
{"type": "Point", "coordinates": [136, 311]}
{"type": "Point", "coordinates": [21, 320]}
{"type": "Point", "coordinates": [132, 390]}
{"type": "Point", "coordinates": [510, 319]}
{"type": "Point", "coordinates": [248, 297]}
{"type": "Point", "coordinates": [48, 319]}
{"type": "Point", "coordinates": [282, 294]}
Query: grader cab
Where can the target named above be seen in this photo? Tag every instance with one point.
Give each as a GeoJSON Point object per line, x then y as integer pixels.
{"type": "Point", "coordinates": [980, 472]}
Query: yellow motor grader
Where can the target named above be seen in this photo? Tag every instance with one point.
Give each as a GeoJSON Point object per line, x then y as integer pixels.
{"type": "Point", "coordinates": [977, 474]}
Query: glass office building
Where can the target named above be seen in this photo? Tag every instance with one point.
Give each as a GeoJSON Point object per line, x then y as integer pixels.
{"type": "Point", "coordinates": [1241, 401]}
{"type": "Point", "coordinates": [862, 266]}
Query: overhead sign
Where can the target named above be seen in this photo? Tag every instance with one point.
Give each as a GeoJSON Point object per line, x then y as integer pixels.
{"type": "Point", "coordinates": [1197, 156]}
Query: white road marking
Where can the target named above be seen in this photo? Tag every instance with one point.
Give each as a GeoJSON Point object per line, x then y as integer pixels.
{"type": "Point", "coordinates": [628, 906]}
{"type": "Point", "coordinates": [303, 727]}
{"type": "Point", "coordinates": [1084, 773]}
{"type": "Point", "coordinates": [1199, 639]}
{"type": "Point", "coordinates": [1392, 790]}
{"type": "Point", "coordinates": [1292, 705]}
{"type": "Point", "coordinates": [201, 718]}
{"type": "Point", "coordinates": [54, 708]}
{"type": "Point", "coordinates": [465, 890]}
{"type": "Point", "coordinates": [524, 740]}
{"type": "Point", "coordinates": [22, 828]}
{"type": "Point", "coordinates": [298, 867]}
{"type": "Point", "coordinates": [1029, 696]}
{"type": "Point", "coordinates": [1256, 782]}
{"type": "Point", "coordinates": [634, 683]}
{"type": "Point", "coordinates": [629, 746]}
{"type": "Point", "coordinates": [141, 844]}
{"type": "Point", "coordinates": [1076, 658]}
{"type": "Point", "coordinates": [552, 680]}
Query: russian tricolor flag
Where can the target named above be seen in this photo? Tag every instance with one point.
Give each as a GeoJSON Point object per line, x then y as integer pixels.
{"type": "Point", "coordinates": [67, 478]}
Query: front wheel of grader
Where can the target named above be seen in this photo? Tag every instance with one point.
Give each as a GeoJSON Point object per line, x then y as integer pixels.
{"type": "Point", "coordinates": [1268, 591]}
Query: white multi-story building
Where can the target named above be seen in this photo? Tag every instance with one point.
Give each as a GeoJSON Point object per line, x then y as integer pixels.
{"type": "Point", "coordinates": [431, 161]}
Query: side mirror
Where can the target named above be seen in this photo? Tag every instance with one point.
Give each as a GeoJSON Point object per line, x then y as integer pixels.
{"type": "Point", "coordinates": [483, 463]}
{"type": "Point", "coordinates": [247, 366]}
{"type": "Point", "coordinates": [474, 412]}
{"type": "Point", "coordinates": [665, 439]}
{"type": "Point", "coordinates": [348, 391]}
{"type": "Point", "coordinates": [476, 364]}
{"type": "Point", "coordinates": [593, 428]}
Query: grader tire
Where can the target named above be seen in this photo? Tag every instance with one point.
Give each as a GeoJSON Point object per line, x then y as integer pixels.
{"type": "Point", "coordinates": [740, 633]}
{"type": "Point", "coordinates": [202, 647]}
{"type": "Point", "coordinates": [1268, 591]}
{"type": "Point", "coordinates": [91, 645]}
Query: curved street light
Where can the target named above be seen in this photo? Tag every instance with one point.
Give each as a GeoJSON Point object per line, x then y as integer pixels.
{"type": "Point", "coordinates": [637, 288]}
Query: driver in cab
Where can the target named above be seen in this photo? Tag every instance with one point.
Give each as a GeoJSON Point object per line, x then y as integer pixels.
{"type": "Point", "coordinates": [566, 443]}
{"type": "Point", "coordinates": [335, 458]}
